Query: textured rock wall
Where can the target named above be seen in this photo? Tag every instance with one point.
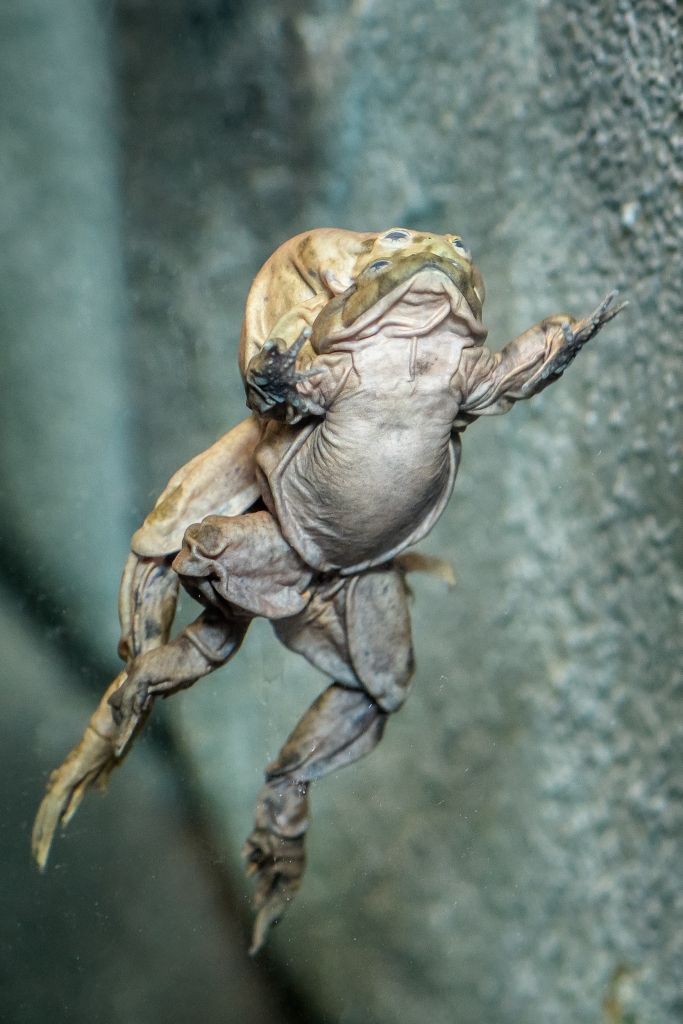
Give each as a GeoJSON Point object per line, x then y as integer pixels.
{"type": "Point", "coordinates": [598, 589]}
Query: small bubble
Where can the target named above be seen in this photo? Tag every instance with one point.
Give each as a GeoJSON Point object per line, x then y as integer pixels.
{"type": "Point", "coordinates": [629, 215]}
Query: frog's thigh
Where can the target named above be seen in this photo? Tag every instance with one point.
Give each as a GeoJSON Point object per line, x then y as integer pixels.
{"type": "Point", "coordinates": [244, 562]}
{"type": "Point", "coordinates": [379, 636]}
{"type": "Point", "coordinates": [319, 633]}
{"type": "Point", "coordinates": [358, 633]}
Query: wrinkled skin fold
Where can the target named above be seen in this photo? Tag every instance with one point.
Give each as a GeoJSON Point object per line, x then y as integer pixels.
{"type": "Point", "coordinates": [363, 361]}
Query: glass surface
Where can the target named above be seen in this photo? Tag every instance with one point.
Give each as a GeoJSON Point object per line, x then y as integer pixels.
{"type": "Point", "coordinates": [511, 851]}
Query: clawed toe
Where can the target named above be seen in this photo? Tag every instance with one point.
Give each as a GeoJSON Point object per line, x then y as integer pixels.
{"type": "Point", "coordinates": [590, 325]}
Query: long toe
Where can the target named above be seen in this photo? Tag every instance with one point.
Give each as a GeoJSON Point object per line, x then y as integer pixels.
{"type": "Point", "coordinates": [92, 758]}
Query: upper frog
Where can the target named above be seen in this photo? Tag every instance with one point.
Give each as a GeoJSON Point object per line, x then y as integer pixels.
{"type": "Point", "coordinates": [363, 356]}
{"type": "Point", "coordinates": [301, 277]}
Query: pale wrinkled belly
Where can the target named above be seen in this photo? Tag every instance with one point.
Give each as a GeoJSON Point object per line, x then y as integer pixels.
{"type": "Point", "coordinates": [347, 505]}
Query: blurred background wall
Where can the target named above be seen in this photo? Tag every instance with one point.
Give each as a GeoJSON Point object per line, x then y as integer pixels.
{"type": "Point", "coordinates": [66, 453]}
{"type": "Point", "coordinates": [512, 850]}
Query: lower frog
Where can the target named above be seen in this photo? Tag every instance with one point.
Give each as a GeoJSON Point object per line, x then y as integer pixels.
{"type": "Point", "coordinates": [364, 361]}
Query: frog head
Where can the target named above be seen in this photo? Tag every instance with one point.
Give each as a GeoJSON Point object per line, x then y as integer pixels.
{"type": "Point", "coordinates": [409, 280]}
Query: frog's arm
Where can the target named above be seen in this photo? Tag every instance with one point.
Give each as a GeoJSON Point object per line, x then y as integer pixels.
{"type": "Point", "coordinates": [490, 383]}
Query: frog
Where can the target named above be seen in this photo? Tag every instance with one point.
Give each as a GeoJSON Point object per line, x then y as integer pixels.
{"type": "Point", "coordinates": [364, 361]}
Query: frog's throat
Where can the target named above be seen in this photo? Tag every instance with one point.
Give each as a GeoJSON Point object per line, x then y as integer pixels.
{"type": "Point", "coordinates": [427, 276]}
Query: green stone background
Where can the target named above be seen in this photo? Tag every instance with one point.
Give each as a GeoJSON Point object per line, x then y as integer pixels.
{"type": "Point", "coordinates": [512, 850]}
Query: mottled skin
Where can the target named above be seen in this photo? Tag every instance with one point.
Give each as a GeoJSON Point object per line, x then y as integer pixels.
{"type": "Point", "coordinates": [363, 362]}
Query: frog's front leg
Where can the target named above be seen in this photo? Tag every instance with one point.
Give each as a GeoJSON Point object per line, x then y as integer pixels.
{"type": "Point", "coordinates": [575, 334]}
{"type": "Point", "coordinates": [272, 377]}
{"type": "Point", "coordinates": [489, 383]}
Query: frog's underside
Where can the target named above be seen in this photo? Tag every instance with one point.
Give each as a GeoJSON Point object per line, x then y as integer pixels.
{"type": "Point", "coordinates": [363, 362]}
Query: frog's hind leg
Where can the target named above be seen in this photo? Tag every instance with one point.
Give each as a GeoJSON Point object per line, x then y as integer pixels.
{"type": "Point", "coordinates": [219, 479]}
{"type": "Point", "coordinates": [148, 598]}
{"type": "Point", "coordinates": [341, 726]}
{"type": "Point", "coordinates": [147, 602]}
{"type": "Point", "coordinates": [358, 630]}
{"type": "Point", "coordinates": [159, 671]}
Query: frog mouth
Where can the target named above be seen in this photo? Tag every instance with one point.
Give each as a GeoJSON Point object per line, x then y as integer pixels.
{"type": "Point", "coordinates": [409, 298]}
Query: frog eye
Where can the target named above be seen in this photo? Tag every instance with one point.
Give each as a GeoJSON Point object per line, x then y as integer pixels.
{"type": "Point", "coordinates": [397, 235]}
{"type": "Point", "coordinates": [378, 265]}
{"type": "Point", "coordinates": [458, 244]}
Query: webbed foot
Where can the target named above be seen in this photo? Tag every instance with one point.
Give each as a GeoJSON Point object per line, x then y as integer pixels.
{"type": "Point", "coordinates": [279, 864]}
{"type": "Point", "coordinates": [89, 764]}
